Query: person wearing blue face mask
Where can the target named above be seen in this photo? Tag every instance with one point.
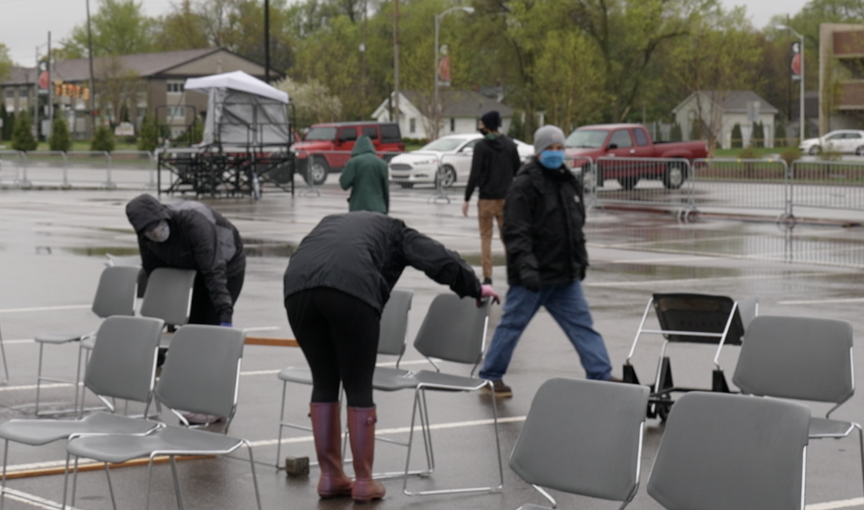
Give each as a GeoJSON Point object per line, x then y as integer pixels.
{"type": "Point", "coordinates": [546, 260]}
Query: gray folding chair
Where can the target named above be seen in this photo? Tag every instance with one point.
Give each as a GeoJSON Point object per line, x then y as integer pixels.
{"type": "Point", "coordinates": [802, 358]}
{"type": "Point", "coordinates": [731, 452]}
{"type": "Point", "coordinates": [115, 295]}
{"type": "Point", "coordinates": [123, 365]}
{"type": "Point", "coordinates": [582, 437]}
{"type": "Point", "coordinates": [391, 342]}
{"type": "Point", "coordinates": [168, 297]}
{"type": "Point", "coordinates": [201, 375]}
{"type": "Point", "coordinates": [453, 330]}
{"type": "Point", "coordinates": [132, 261]}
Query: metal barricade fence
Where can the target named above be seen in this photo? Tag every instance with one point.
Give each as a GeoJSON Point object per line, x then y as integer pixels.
{"type": "Point", "coordinates": [583, 169]}
{"type": "Point", "coordinates": [827, 184]}
{"type": "Point", "coordinates": [644, 181]}
{"type": "Point", "coordinates": [132, 169]}
{"type": "Point", "coordinates": [724, 183]}
{"type": "Point", "coordinates": [13, 168]}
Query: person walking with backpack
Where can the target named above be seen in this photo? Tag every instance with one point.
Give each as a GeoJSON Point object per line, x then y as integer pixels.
{"type": "Point", "coordinates": [494, 163]}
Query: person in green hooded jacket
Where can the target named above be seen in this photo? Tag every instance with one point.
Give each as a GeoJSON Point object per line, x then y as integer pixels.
{"type": "Point", "coordinates": [366, 176]}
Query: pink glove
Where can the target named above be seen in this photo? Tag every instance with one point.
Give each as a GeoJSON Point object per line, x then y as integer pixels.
{"type": "Point", "coordinates": [486, 291]}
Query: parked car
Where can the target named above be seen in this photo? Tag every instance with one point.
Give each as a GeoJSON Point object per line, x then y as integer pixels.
{"type": "Point", "coordinates": [326, 148]}
{"type": "Point", "coordinates": [454, 152]}
{"type": "Point", "coordinates": [629, 141]}
{"type": "Point", "coordinates": [848, 141]}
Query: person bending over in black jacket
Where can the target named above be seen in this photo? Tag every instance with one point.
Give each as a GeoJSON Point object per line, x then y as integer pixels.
{"type": "Point", "coordinates": [191, 235]}
{"type": "Point", "coordinates": [335, 287]}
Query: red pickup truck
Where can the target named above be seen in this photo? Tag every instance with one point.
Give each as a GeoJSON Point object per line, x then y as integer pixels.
{"type": "Point", "coordinates": [630, 141]}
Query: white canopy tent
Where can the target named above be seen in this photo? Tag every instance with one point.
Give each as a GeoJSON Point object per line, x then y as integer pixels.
{"type": "Point", "coordinates": [242, 109]}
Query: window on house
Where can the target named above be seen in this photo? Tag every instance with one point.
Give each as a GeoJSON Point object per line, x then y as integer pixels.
{"type": "Point", "coordinates": [176, 112]}
{"type": "Point", "coordinates": [452, 125]}
{"type": "Point", "coordinates": [412, 125]}
{"type": "Point", "coordinates": [175, 87]}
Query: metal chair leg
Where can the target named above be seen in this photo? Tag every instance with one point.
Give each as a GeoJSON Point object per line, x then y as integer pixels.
{"type": "Point", "coordinates": [110, 487]}
{"type": "Point", "coordinates": [176, 483]}
{"type": "Point", "coordinates": [254, 476]}
{"type": "Point", "coordinates": [281, 420]}
{"type": "Point", "coordinates": [5, 366]}
{"type": "Point", "coordinates": [3, 476]}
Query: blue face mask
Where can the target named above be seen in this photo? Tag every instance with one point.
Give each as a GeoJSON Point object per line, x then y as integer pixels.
{"type": "Point", "coordinates": [552, 159]}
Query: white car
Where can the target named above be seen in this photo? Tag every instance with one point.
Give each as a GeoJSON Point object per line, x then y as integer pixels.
{"type": "Point", "coordinates": [846, 140]}
{"type": "Point", "coordinates": [447, 158]}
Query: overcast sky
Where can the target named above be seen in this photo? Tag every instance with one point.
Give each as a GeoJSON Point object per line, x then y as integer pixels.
{"type": "Point", "coordinates": [24, 24]}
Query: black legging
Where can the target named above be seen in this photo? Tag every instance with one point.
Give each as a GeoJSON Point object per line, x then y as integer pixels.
{"type": "Point", "coordinates": [338, 334]}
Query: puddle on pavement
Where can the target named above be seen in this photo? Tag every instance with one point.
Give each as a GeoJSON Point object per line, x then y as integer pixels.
{"type": "Point", "coordinates": [252, 249]}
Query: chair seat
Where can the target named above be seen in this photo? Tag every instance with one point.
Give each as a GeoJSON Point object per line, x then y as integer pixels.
{"type": "Point", "coordinates": [300, 375]}
{"type": "Point", "coordinates": [448, 381]}
{"type": "Point", "coordinates": [57, 338]}
{"type": "Point", "coordinates": [170, 440]}
{"type": "Point", "coordinates": [165, 340]}
{"type": "Point", "coordinates": [393, 379]}
{"type": "Point", "coordinates": [88, 342]}
{"type": "Point", "coordinates": [39, 432]}
{"type": "Point", "coordinates": [824, 427]}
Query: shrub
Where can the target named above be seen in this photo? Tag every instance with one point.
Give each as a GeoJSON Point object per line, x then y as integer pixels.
{"type": "Point", "coordinates": [60, 139]}
{"type": "Point", "coordinates": [758, 135]}
{"type": "Point", "coordinates": [737, 137]}
{"type": "Point", "coordinates": [103, 139]}
{"type": "Point", "coordinates": [22, 133]}
{"type": "Point", "coordinates": [7, 123]}
{"type": "Point", "coordinates": [780, 135]}
{"type": "Point", "coordinates": [790, 154]}
{"type": "Point", "coordinates": [148, 136]}
{"type": "Point", "coordinates": [676, 135]}
{"type": "Point", "coordinates": [748, 153]}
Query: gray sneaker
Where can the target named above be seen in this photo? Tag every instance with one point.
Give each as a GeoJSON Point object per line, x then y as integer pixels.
{"type": "Point", "coordinates": [501, 389]}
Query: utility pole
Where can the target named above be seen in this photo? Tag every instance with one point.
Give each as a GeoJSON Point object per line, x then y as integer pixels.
{"type": "Point", "coordinates": [363, 61]}
{"type": "Point", "coordinates": [267, 41]}
{"type": "Point", "coordinates": [90, 57]}
{"type": "Point", "coordinates": [50, 85]}
{"type": "Point", "coordinates": [396, 60]}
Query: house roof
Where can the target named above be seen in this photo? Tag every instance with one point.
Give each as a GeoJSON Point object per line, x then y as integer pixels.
{"type": "Point", "coordinates": [462, 103]}
{"type": "Point", "coordinates": [733, 101]}
{"type": "Point", "coordinates": [21, 76]}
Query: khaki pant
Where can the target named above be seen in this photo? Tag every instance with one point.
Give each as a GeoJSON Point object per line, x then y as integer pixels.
{"type": "Point", "coordinates": [487, 210]}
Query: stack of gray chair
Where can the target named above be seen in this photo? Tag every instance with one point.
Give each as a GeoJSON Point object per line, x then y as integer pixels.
{"type": "Point", "coordinates": [115, 295]}
{"type": "Point", "coordinates": [201, 375]}
{"type": "Point", "coordinates": [391, 342]}
{"type": "Point", "coordinates": [122, 365]}
{"type": "Point", "coordinates": [583, 437]}
{"type": "Point", "coordinates": [802, 358]}
{"type": "Point", "coordinates": [731, 452]}
{"type": "Point", "coordinates": [169, 297]}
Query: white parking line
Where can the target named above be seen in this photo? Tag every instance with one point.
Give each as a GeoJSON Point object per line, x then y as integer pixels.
{"type": "Point", "coordinates": [821, 301]}
{"type": "Point", "coordinates": [831, 505]}
{"type": "Point", "coordinates": [33, 500]}
{"type": "Point", "coordinates": [45, 308]}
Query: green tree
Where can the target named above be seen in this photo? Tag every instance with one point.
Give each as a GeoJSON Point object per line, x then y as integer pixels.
{"type": "Point", "coordinates": [5, 62]}
{"type": "Point", "coordinates": [119, 27]}
{"type": "Point", "coordinates": [757, 139]}
{"type": "Point", "coordinates": [737, 137]}
{"type": "Point", "coordinates": [6, 122]}
{"type": "Point", "coordinates": [780, 135]}
{"type": "Point", "coordinates": [148, 135]}
{"type": "Point", "coordinates": [22, 133]}
{"type": "Point", "coordinates": [676, 135]}
{"type": "Point", "coordinates": [60, 139]}
{"type": "Point", "coordinates": [103, 139]}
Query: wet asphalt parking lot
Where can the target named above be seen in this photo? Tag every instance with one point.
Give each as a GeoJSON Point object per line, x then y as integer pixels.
{"type": "Point", "coordinates": [52, 246]}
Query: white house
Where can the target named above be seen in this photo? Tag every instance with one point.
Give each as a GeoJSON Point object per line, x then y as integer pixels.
{"type": "Point", "coordinates": [460, 111]}
{"type": "Point", "coordinates": [720, 111]}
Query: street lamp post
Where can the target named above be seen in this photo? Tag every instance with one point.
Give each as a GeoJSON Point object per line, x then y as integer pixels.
{"type": "Point", "coordinates": [801, 52]}
{"type": "Point", "coordinates": [435, 105]}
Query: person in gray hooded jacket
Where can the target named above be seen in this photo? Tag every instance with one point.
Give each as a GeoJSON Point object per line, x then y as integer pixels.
{"type": "Point", "coordinates": [191, 235]}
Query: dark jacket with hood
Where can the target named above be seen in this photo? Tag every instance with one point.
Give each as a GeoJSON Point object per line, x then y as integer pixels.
{"type": "Point", "coordinates": [200, 239]}
{"type": "Point", "coordinates": [495, 162]}
{"type": "Point", "coordinates": [364, 253]}
{"type": "Point", "coordinates": [543, 219]}
{"type": "Point", "coordinates": [366, 176]}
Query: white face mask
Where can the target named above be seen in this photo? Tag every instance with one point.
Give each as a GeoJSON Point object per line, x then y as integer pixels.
{"type": "Point", "coordinates": [159, 233]}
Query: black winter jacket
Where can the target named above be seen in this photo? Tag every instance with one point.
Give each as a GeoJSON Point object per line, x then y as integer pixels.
{"type": "Point", "coordinates": [493, 165]}
{"type": "Point", "coordinates": [200, 239]}
{"type": "Point", "coordinates": [363, 254]}
{"type": "Point", "coordinates": [543, 219]}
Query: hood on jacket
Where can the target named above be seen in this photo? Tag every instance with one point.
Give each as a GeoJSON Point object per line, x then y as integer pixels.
{"type": "Point", "coordinates": [362, 146]}
{"type": "Point", "coordinates": [495, 142]}
{"type": "Point", "coordinates": [144, 210]}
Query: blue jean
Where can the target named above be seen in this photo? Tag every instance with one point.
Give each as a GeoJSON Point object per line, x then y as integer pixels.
{"type": "Point", "coordinates": [568, 307]}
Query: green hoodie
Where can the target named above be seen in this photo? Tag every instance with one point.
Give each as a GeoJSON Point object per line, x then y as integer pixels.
{"type": "Point", "coordinates": [366, 176]}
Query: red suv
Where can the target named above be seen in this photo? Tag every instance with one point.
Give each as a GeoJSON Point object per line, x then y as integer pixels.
{"type": "Point", "coordinates": [327, 147]}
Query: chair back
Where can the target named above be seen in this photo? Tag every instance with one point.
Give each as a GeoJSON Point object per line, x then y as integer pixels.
{"type": "Point", "coordinates": [698, 313]}
{"type": "Point", "coordinates": [169, 295]}
{"type": "Point", "coordinates": [722, 451]}
{"type": "Point", "coordinates": [115, 294]}
{"type": "Point", "coordinates": [394, 323]}
{"type": "Point", "coordinates": [201, 373]}
{"type": "Point", "coordinates": [123, 361]}
{"type": "Point", "coordinates": [797, 357]}
{"type": "Point", "coordinates": [454, 329]}
{"type": "Point", "coordinates": [583, 437]}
